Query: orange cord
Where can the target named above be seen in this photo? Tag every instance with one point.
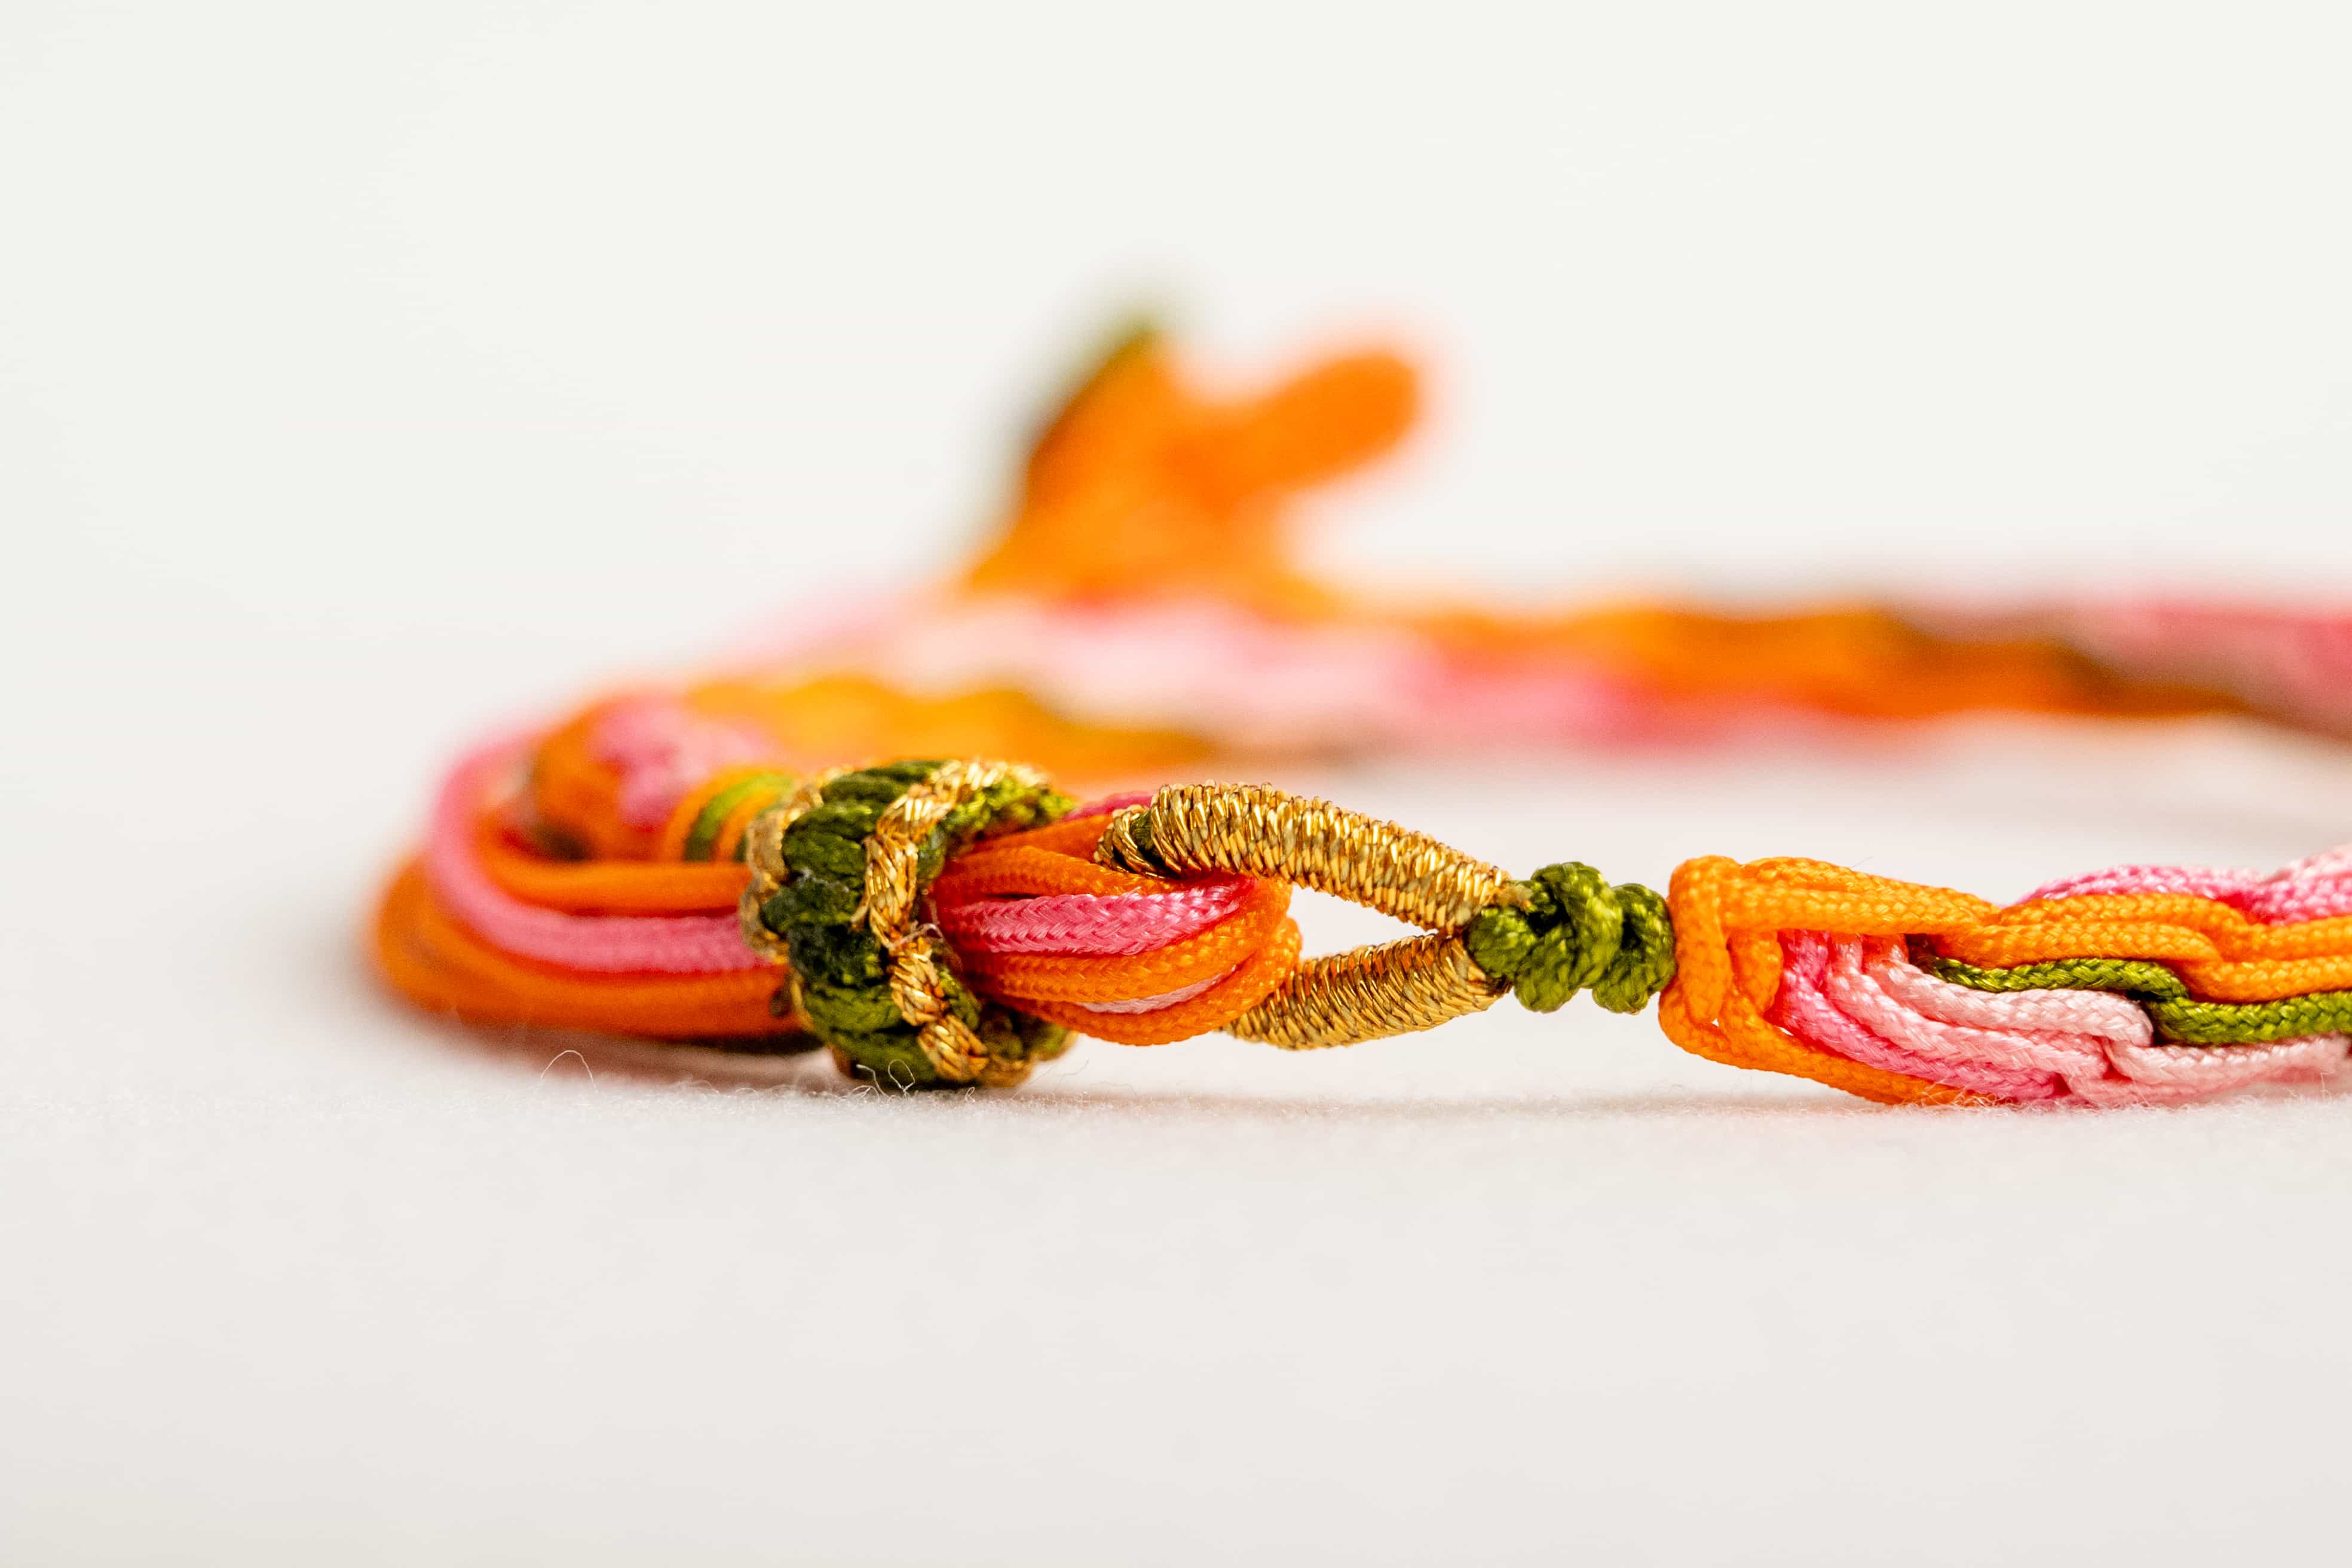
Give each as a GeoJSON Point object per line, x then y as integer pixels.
{"type": "Point", "coordinates": [2222, 953]}
{"type": "Point", "coordinates": [573, 791]}
{"type": "Point", "coordinates": [1251, 983]}
{"type": "Point", "coordinates": [607, 887]}
{"type": "Point", "coordinates": [440, 965]}
{"type": "Point", "coordinates": [1728, 920]}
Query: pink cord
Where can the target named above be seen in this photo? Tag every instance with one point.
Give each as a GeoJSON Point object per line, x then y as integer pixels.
{"type": "Point", "coordinates": [661, 748]}
{"type": "Point", "coordinates": [2299, 665]}
{"type": "Point", "coordinates": [2312, 889]}
{"type": "Point", "coordinates": [1101, 925]}
{"type": "Point", "coordinates": [1098, 925]}
{"type": "Point", "coordinates": [1863, 999]}
{"type": "Point", "coordinates": [601, 944]}
{"type": "Point", "coordinates": [1807, 1010]}
{"type": "Point", "coordinates": [1251, 680]}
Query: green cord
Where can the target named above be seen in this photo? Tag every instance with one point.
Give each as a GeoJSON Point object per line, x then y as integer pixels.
{"type": "Point", "coordinates": [2180, 1018]}
{"type": "Point", "coordinates": [2140, 976]}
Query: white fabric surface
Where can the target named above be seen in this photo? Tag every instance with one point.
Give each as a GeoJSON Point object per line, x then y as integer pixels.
{"type": "Point", "coordinates": [368, 379]}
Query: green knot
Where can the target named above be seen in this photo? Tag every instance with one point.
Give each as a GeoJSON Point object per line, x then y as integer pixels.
{"type": "Point", "coordinates": [1577, 932]}
{"type": "Point", "coordinates": [842, 972]}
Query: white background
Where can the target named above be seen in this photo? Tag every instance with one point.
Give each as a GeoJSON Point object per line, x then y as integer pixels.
{"type": "Point", "coordinates": [372, 374]}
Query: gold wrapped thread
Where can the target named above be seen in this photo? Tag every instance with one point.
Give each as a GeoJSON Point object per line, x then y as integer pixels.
{"type": "Point", "coordinates": [1347, 998]}
{"type": "Point", "coordinates": [763, 851]}
{"type": "Point", "coordinates": [1260, 831]}
{"type": "Point", "coordinates": [1393, 988]}
{"type": "Point", "coordinates": [893, 890]}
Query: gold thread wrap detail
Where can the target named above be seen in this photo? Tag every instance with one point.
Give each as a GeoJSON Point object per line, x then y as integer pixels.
{"type": "Point", "coordinates": [1369, 992]}
{"type": "Point", "coordinates": [763, 852]}
{"type": "Point", "coordinates": [1260, 831]}
{"type": "Point", "coordinates": [894, 885]}
{"type": "Point", "coordinates": [1342, 999]}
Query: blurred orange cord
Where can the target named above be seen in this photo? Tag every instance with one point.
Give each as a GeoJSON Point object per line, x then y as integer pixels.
{"type": "Point", "coordinates": [607, 887]}
{"type": "Point", "coordinates": [575, 793]}
{"type": "Point", "coordinates": [444, 966]}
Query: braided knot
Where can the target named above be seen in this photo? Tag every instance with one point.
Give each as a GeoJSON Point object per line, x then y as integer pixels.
{"type": "Point", "coordinates": [1576, 932]}
{"type": "Point", "coordinates": [840, 871]}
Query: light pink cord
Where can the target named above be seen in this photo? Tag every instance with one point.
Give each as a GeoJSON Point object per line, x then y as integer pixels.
{"type": "Point", "coordinates": [2093, 1015]}
{"type": "Point", "coordinates": [2154, 1075]}
{"type": "Point", "coordinates": [2312, 889]}
{"type": "Point", "coordinates": [1858, 970]}
{"type": "Point", "coordinates": [1863, 999]}
{"type": "Point", "coordinates": [601, 944]}
{"type": "Point", "coordinates": [2299, 665]}
{"type": "Point", "coordinates": [1249, 679]}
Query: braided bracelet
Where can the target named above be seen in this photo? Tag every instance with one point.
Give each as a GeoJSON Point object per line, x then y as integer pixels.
{"type": "Point", "coordinates": [717, 862]}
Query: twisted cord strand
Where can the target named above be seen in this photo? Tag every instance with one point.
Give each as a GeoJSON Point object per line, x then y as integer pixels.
{"type": "Point", "coordinates": [1800, 967]}
{"type": "Point", "coordinates": [2113, 1062]}
{"type": "Point", "coordinates": [1185, 961]}
{"type": "Point", "coordinates": [2178, 1017]}
{"type": "Point", "coordinates": [2312, 889]}
{"type": "Point", "coordinates": [1037, 922]}
{"type": "Point", "coordinates": [1862, 1027]}
{"type": "Point", "coordinates": [983, 907]}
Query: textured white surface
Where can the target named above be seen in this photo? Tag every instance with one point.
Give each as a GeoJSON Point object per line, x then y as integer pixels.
{"type": "Point", "coordinates": [367, 379]}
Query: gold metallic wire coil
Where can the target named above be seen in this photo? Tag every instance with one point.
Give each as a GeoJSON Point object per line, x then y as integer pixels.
{"type": "Point", "coordinates": [1369, 994]}
{"type": "Point", "coordinates": [1345, 998]}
